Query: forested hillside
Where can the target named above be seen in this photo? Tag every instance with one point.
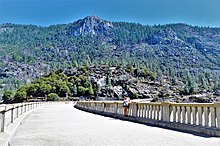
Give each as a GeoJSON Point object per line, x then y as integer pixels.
{"type": "Point", "coordinates": [178, 51]}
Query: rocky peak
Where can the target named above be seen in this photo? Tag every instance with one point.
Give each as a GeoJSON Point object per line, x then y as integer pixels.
{"type": "Point", "coordinates": [92, 25]}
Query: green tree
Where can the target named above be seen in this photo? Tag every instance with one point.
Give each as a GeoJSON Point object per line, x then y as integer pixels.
{"type": "Point", "coordinates": [7, 97]}
{"type": "Point", "coordinates": [62, 89]}
{"type": "Point", "coordinates": [45, 89]}
{"type": "Point", "coordinates": [217, 87]}
{"type": "Point", "coordinates": [32, 89]}
{"type": "Point", "coordinates": [91, 91]}
{"type": "Point", "coordinates": [20, 96]}
{"type": "Point", "coordinates": [193, 87]}
{"type": "Point", "coordinates": [82, 91]}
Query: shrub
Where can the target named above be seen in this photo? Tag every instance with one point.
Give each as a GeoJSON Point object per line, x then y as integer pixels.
{"type": "Point", "coordinates": [52, 97]}
{"type": "Point", "coordinates": [135, 96]}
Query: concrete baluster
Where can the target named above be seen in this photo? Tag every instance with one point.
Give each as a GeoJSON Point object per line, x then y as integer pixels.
{"type": "Point", "coordinates": [144, 111]}
{"type": "Point", "coordinates": [178, 114]}
{"type": "Point", "coordinates": [158, 112]}
{"type": "Point", "coordinates": [115, 108]}
{"type": "Point", "coordinates": [213, 116]}
{"type": "Point", "coordinates": [140, 109]}
{"type": "Point", "coordinates": [137, 109]}
{"type": "Point", "coordinates": [200, 115]}
{"type": "Point", "coordinates": [174, 113]}
{"type": "Point", "coordinates": [103, 106]}
{"type": "Point", "coordinates": [188, 111]}
{"type": "Point", "coordinates": [194, 115]}
{"type": "Point", "coordinates": [206, 114]}
{"type": "Point", "coordinates": [183, 108]}
{"type": "Point", "coordinates": [155, 111]}
{"type": "Point", "coordinates": [217, 106]}
{"type": "Point", "coordinates": [150, 111]}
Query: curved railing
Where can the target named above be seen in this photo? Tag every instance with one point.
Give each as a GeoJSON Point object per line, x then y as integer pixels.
{"type": "Point", "coordinates": [202, 117]}
{"type": "Point", "coordinates": [10, 112]}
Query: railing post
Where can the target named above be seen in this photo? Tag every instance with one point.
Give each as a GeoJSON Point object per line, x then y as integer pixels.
{"type": "Point", "coordinates": [166, 111]}
{"type": "Point", "coordinates": [12, 115]}
{"type": "Point", "coordinates": [217, 106]}
{"type": "Point", "coordinates": [17, 112]}
{"type": "Point", "coordinates": [21, 109]}
{"type": "Point", "coordinates": [3, 128]}
{"type": "Point", "coordinates": [134, 110]}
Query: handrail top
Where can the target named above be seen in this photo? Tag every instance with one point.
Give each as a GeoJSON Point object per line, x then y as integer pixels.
{"type": "Point", "coordinates": [157, 103]}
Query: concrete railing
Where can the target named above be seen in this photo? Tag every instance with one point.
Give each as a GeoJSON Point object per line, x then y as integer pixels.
{"type": "Point", "coordinates": [199, 116]}
{"type": "Point", "coordinates": [10, 112]}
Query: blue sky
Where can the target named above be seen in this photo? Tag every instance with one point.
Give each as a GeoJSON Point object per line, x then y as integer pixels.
{"type": "Point", "coordinates": [49, 12]}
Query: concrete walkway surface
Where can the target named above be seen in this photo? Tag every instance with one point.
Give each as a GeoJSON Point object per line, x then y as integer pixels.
{"type": "Point", "coordinates": [63, 125]}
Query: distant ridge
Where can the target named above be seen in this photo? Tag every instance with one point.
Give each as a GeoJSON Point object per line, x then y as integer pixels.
{"type": "Point", "coordinates": [29, 51]}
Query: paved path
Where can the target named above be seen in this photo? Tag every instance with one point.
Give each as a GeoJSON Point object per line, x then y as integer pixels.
{"type": "Point", "coordinates": [63, 125]}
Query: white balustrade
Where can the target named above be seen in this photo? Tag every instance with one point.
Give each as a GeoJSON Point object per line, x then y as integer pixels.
{"type": "Point", "coordinates": [201, 114]}
{"type": "Point", "coordinates": [10, 112]}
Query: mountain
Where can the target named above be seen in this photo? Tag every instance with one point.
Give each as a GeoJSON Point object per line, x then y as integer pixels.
{"type": "Point", "coordinates": [176, 50]}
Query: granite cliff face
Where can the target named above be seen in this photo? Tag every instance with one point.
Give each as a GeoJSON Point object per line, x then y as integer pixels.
{"type": "Point", "coordinates": [90, 25]}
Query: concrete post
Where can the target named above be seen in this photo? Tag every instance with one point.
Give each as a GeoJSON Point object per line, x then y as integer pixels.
{"type": "Point", "coordinates": [217, 106]}
{"type": "Point", "coordinates": [3, 126]}
{"type": "Point", "coordinates": [17, 112]}
{"type": "Point", "coordinates": [134, 110]}
{"type": "Point", "coordinates": [166, 111]}
{"type": "Point", "coordinates": [21, 109]}
{"type": "Point", "coordinates": [25, 108]}
{"type": "Point", "coordinates": [12, 115]}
